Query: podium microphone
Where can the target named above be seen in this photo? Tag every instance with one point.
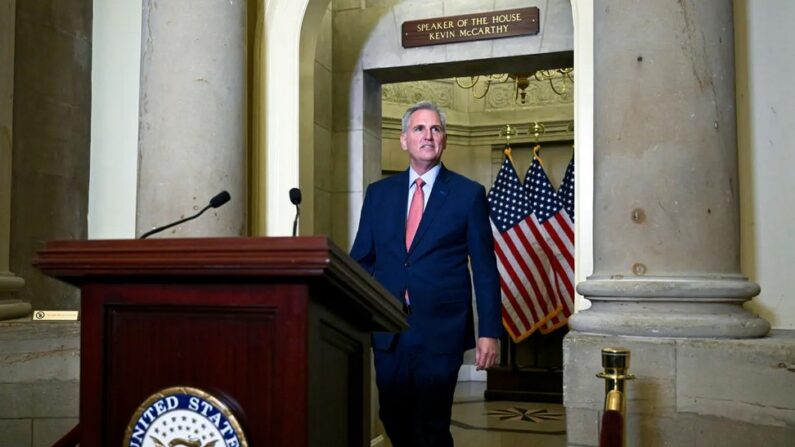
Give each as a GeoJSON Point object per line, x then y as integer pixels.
{"type": "Point", "coordinates": [220, 199]}
{"type": "Point", "coordinates": [295, 198]}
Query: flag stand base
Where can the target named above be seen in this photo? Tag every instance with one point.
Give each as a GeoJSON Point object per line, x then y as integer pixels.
{"type": "Point", "coordinates": [530, 371]}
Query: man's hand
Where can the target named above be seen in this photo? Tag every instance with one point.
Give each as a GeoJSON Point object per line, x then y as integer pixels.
{"type": "Point", "coordinates": [485, 353]}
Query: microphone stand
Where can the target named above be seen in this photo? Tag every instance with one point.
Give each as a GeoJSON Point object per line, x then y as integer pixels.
{"type": "Point", "coordinates": [219, 200]}
{"type": "Point", "coordinates": [295, 221]}
{"type": "Point", "coordinates": [166, 227]}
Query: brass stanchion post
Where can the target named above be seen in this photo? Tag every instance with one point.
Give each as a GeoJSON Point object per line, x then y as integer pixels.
{"type": "Point", "coordinates": [615, 362]}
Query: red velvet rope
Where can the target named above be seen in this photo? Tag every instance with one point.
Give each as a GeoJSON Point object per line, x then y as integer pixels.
{"type": "Point", "coordinates": [612, 431]}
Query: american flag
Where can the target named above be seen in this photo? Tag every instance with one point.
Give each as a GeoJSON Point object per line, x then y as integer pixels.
{"type": "Point", "coordinates": [525, 283]}
{"type": "Point", "coordinates": [566, 190]}
{"type": "Point", "coordinates": [554, 230]}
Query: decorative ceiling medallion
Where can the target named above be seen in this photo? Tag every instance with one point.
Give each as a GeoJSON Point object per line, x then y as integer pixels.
{"type": "Point", "coordinates": [440, 92]}
{"type": "Point", "coordinates": [184, 417]}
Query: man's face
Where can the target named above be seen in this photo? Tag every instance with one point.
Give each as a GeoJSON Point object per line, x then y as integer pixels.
{"type": "Point", "coordinates": [424, 140]}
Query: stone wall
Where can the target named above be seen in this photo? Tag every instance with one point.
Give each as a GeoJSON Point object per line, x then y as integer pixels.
{"type": "Point", "coordinates": [39, 382]}
{"type": "Point", "coordinates": [687, 392]}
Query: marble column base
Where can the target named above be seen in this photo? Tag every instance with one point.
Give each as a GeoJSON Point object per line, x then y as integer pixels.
{"type": "Point", "coordinates": [670, 307]}
{"type": "Point", "coordinates": [10, 282]}
{"type": "Point", "coordinates": [10, 309]}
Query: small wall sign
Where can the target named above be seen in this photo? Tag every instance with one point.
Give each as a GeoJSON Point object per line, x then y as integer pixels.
{"type": "Point", "coordinates": [50, 315]}
{"type": "Point", "coordinates": [468, 27]}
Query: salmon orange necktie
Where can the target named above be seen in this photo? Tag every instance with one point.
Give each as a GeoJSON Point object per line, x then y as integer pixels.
{"type": "Point", "coordinates": [413, 221]}
{"type": "Point", "coordinates": [415, 211]}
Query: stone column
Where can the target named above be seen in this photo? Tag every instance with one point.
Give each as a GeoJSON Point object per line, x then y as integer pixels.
{"type": "Point", "coordinates": [666, 212]}
{"type": "Point", "coordinates": [9, 282]}
{"type": "Point", "coordinates": [192, 136]}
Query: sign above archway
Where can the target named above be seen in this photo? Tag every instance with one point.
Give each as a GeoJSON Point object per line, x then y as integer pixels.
{"type": "Point", "coordinates": [469, 27]}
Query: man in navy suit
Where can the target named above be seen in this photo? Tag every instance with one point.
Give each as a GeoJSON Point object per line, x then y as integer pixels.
{"type": "Point", "coordinates": [419, 239]}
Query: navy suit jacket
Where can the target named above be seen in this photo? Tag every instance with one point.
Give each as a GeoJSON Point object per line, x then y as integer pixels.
{"type": "Point", "coordinates": [454, 229]}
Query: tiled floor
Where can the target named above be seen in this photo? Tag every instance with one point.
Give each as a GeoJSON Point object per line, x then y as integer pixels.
{"type": "Point", "coordinates": [477, 423]}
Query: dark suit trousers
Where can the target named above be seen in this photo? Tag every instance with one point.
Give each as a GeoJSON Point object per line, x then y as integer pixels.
{"type": "Point", "coordinates": [415, 390]}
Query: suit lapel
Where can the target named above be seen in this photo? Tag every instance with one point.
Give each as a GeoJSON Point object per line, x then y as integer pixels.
{"type": "Point", "coordinates": [439, 193]}
{"type": "Point", "coordinates": [401, 198]}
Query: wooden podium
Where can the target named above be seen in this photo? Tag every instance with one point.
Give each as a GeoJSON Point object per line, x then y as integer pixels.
{"type": "Point", "coordinates": [278, 327]}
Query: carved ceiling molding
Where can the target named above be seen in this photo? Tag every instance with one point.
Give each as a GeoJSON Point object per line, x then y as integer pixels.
{"type": "Point", "coordinates": [557, 130]}
{"type": "Point", "coordinates": [408, 93]}
{"type": "Point", "coordinates": [501, 96]}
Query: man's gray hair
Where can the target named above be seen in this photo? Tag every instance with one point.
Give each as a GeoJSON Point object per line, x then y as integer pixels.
{"type": "Point", "coordinates": [424, 105]}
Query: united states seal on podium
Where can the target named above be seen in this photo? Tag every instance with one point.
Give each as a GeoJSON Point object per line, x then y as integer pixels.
{"type": "Point", "coordinates": [184, 417]}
